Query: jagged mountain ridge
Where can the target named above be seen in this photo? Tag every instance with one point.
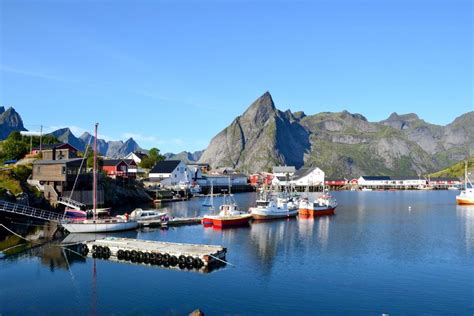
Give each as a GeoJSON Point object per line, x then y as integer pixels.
{"type": "Point", "coordinates": [10, 121]}
{"type": "Point", "coordinates": [185, 156]}
{"type": "Point", "coordinates": [111, 149]}
{"type": "Point", "coordinates": [342, 144]}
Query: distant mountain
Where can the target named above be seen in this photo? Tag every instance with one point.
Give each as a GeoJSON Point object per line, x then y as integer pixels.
{"type": "Point", "coordinates": [66, 136]}
{"type": "Point", "coordinates": [186, 157]}
{"type": "Point", "coordinates": [342, 144]}
{"type": "Point", "coordinates": [10, 121]}
{"type": "Point", "coordinates": [111, 149]}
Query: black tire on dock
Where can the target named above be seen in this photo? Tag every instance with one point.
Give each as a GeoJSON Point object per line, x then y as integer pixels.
{"type": "Point", "coordinates": [146, 255]}
{"type": "Point", "coordinates": [198, 263]}
{"type": "Point", "coordinates": [94, 255]}
{"type": "Point", "coordinates": [152, 256]}
{"type": "Point", "coordinates": [159, 256]}
{"type": "Point", "coordinates": [182, 265]}
{"type": "Point", "coordinates": [84, 250]}
{"type": "Point", "coordinates": [133, 254]}
{"type": "Point", "coordinates": [120, 253]}
{"type": "Point", "coordinates": [166, 257]}
{"type": "Point", "coordinates": [158, 262]}
{"type": "Point", "coordinates": [173, 261]}
{"type": "Point", "coordinates": [106, 253]}
{"type": "Point", "coordinates": [94, 247]}
{"type": "Point", "coordinates": [126, 255]}
{"type": "Point", "coordinates": [189, 260]}
{"type": "Point", "coordinates": [140, 256]}
{"type": "Point", "coordinates": [99, 250]}
{"type": "Point", "coordinates": [182, 259]}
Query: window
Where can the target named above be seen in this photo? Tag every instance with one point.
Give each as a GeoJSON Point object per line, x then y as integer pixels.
{"type": "Point", "coordinates": [63, 169]}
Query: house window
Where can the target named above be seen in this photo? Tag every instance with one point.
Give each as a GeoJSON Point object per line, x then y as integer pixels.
{"type": "Point", "coordinates": [63, 170]}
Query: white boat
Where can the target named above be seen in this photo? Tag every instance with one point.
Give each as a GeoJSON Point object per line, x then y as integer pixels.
{"type": "Point", "coordinates": [143, 216]}
{"type": "Point", "coordinates": [454, 188]}
{"type": "Point", "coordinates": [366, 189]}
{"type": "Point", "coordinates": [265, 210]}
{"type": "Point", "coordinates": [466, 197]}
{"type": "Point", "coordinates": [96, 225]}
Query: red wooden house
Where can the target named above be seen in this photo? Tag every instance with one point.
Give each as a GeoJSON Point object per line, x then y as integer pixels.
{"type": "Point", "coordinates": [117, 168]}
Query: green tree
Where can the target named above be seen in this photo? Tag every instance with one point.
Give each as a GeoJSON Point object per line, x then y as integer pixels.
{"type": "Point", "coordinates": [154, 156]}
{"type": "Point", "coordinates": [13, 148]}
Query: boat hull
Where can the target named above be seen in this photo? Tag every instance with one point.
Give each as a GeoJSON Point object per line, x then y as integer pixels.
{"type": "Point", "coordinates": [262, 216]}
{"type": "Point", "coordinates": [316, 212]}
{"type": "Point", "coordinates": [99, 226]}
{"type": "Point", "coordinates": [227, 221]}
{"type": "Point", "coordinates": [464, 201]}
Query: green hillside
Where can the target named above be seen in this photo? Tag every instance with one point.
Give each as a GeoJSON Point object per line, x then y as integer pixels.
{"type": "Point", "coordinates": [456, 170]}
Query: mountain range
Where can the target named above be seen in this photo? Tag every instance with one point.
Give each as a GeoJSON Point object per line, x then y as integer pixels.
{"type": "Point", "coordinates": [11, 121]}
{"type": "Point", "coordinates": [111, 149]}
{"type": "Point", "coordinates": [342, 144]}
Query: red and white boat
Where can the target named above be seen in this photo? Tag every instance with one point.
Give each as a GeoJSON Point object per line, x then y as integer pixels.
{"type": "Point", "coordinates": [229, 215]}
{"type": "Point", "coordinates": [325, 205]}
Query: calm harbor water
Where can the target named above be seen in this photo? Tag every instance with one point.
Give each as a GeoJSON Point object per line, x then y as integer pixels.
{"type": "Point", "coordinates": [383, 252]}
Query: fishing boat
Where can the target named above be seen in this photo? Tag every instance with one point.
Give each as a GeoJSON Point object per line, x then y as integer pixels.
{"type": "Point", "coordinates": [97, 225]}
{"type": "Point", "coordinates": [466, 197]}
{"type": "Point", "coordinates": [325, 205]}
{"type": "Point", "coordinates": [267, 209]}
{"type": "Point", "coordinates": [229, 214]}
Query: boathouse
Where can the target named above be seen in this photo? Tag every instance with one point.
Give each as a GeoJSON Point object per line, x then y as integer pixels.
{"type": "Point", "coordinates": [55, 151]}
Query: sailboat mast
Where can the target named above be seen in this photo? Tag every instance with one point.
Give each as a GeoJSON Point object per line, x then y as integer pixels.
{"type": "Point", "coordinates": [94, 174]}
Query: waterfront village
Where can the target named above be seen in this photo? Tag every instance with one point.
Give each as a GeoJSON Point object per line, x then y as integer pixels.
{"type": "Point", "coordinates": [56, 173]}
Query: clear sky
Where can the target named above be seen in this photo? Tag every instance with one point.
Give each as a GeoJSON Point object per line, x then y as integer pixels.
{"type": "Point", "coordinates": [172, 74]}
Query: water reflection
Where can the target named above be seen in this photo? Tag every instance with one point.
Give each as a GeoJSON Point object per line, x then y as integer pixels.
{"type": "Point", "coordinates": [466, 214]}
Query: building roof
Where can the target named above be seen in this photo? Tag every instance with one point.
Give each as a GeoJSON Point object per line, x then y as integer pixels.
{"type": "Point", "coordinates": [406, 178]}
{"type": "Point", "coordinates": [60, 161]}
{"type": "Point", "coordinates": [165, 166]}
{"type": "Point", "coordinates": [303, 172]}
{"type": "Point", "coordinates": [284, 169]}
{"type": "Point", "coordinates": [55, 146]}
{"type": "Point", "coordinates": [376, 178]}
{"type": "Point", "coordinates": [112, 162]}
{"type": "Point", "coordinates": [130, 161]}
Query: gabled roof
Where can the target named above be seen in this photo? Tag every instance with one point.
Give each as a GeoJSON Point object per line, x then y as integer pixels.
{"type": "Point", "coordinates": [55, 146]}
{"type": "Point", "coordinates": [303, 172]}
{"type": "Point", "coordinates": [165, 166]}
{"type": "Point", "coordinates": [130, 161]}
{"type": "Point", "coordinates": [376, 178]}
{"type": "Point", "coordinates": [112, 162]}
{"type": "Point", "coordinates": [59, 162]}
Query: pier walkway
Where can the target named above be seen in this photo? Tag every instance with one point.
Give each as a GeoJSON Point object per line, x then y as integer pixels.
{"type": "Point", "coordinates": [29, 211]}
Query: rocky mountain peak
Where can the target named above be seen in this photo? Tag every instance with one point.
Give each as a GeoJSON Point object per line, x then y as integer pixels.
{"type": "Point", "coordinates": [10, 121]}
{"type": "Point", "coordinates": [2, 109]}
{"type": "Point", "coordinates": [260, 110]}
{"type": "Point", "coordinates": [356, 116]}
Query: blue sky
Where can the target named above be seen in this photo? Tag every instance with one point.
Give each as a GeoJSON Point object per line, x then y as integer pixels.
{"type": "Point", "coordinates": [172, 74]}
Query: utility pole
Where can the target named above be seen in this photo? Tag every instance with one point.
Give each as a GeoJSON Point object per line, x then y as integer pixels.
{"type": "Point", "coordinates": [41, 141]}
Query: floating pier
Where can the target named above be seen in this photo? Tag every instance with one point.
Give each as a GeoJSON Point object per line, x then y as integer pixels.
{"type": "Point", "coordinates": [176, 255]}
{"type": "Point", "coordinates": [176, 221]}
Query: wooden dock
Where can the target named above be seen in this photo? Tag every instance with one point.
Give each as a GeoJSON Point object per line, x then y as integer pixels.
{"type": "Point", "coordinates": [175, 255]}
{"type": "Point", "coordinates": [177, 221]}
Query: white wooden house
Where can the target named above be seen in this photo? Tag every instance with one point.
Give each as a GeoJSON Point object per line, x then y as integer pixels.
{"type": "Point", "coordinates": [170, 173]}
